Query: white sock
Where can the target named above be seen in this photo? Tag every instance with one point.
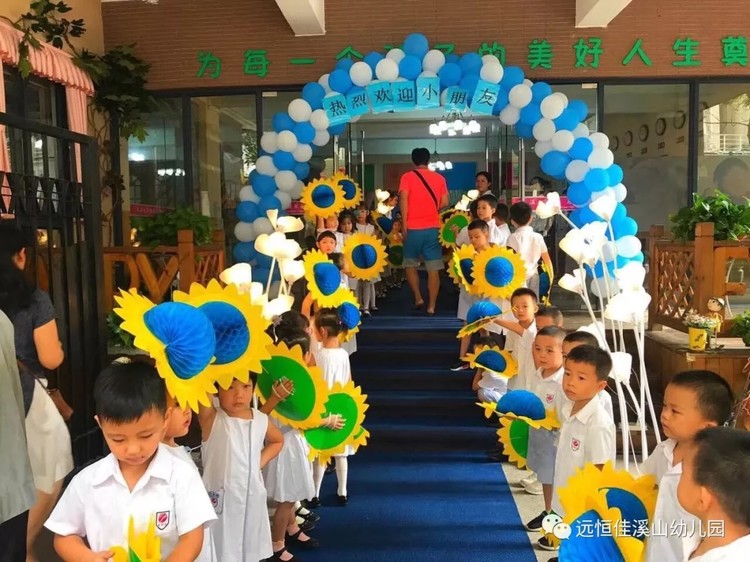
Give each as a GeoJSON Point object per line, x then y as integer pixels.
{"type": "Point", "coordinates": [342, 473]}
{"type": "Point", "coordinates": [319, 471]}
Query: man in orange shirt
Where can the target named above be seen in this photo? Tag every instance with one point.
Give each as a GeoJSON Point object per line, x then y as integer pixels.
{"type": "Point", "coordinates": [422, 193]}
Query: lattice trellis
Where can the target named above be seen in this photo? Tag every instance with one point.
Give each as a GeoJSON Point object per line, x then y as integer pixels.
{"type": "Point", "coordinates": [208, 266]}
{"type": "Point", "coordinates": [675, 287]}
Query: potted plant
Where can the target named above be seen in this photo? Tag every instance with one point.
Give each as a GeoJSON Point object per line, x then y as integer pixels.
{"type": "Point", "coordinates": [741, 327]}
{"type": "Point", "coordinates": [731, 221]}
{"type": "Point", "coordinates": [162, 229]}
{"type": "Point", "coordinates": [699, 329]}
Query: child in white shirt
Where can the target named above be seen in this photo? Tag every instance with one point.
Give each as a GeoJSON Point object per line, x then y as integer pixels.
{"type": "Point", "coordinates": [365, 289]}
{"type": "Point", "coordinates": [485, 210]}
{"type": "Point", "coordinates": [529, 244]}
{"type": "Point", "coordinates": [489, 385]}
{"type": "Point", "coordinates": [502, 215]}
{"type": "Point", "coordinates": [140, 478]}
{"type": "Point", "coordinates": [712, 488]}
{"type": "Point", "coordinates": [693, 400]}
{"type": "Point", "coordinates": [579, 337]}
{"type": "Point", "coordinates": [521, 334]}
{"type": "Point", "coordinates": [331, 224]}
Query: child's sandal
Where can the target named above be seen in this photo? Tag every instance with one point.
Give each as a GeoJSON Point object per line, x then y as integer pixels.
{"type": "Point", "coordinates": [279, 553]}
{"type": "Point", "coordinates": [310, 543]}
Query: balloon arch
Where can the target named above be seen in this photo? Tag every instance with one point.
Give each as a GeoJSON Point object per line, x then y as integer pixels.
{"type": "Point", "coordinates": [568, 150]}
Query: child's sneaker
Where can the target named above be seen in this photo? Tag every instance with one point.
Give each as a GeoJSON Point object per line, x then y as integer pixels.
{"type": "Point", "coordinates": [546, 544]}
{"type": "Point", "coordinates": [536, 524]}
{"type": "Point", "coordinates": [528, 480]}
{"type": "Point", "coordinates": [535, 489]}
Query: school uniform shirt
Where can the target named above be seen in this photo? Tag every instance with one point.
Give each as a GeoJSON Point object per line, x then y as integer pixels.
{"type": "Point", "coordinates": [530, 245]}
{"type": "Point", "coordinates": [542, 442]}
{"type": "Point", "coordinates": [492, 380]}
{"type": "Point", "coordinates": [503, 234]}
{"type": "Point", "coordinates": [733, 552]}
{"type": "Point", "coordinates": [365, 228]}
{"type": "Point", "coordinates": [665, 545]}
{"type": "Point", "coordinates": [496, 237]}
{"type": "Point", "coordinates": [98, 505]}
{"type": "Point", "coordinates": [522, 348]}
{"type": "Point", "coordinates": [586, 437]}
{"type": "Point", "coordinates": [606, 401]}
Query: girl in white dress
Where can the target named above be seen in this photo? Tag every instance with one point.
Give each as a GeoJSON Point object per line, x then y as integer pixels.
{"type": "Point", "coordinates": [288, 477]}
{"type": "Point", "coordinates": [365, 289]}
{"type": "Point", "coordinates": [238, 442]}
{"type": "Point", "coordinates": [178, 426]}
{"type": "Point", "coordinates": [334, 362]}
{"type": "Point", "coordinates": [346, 225]}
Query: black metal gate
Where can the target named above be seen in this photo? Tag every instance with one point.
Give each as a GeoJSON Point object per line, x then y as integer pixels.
{"type": "Point", "coordinates": [57, 202]}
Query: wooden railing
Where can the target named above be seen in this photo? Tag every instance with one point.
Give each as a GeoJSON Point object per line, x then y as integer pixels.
{"type": "Point", "coordinates": [685, 275]}
{"type": "Point", "coordinates": [154, 271]}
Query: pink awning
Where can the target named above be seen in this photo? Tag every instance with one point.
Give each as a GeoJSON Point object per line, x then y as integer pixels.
{"type": "Point", "coordinates": [47, 62]}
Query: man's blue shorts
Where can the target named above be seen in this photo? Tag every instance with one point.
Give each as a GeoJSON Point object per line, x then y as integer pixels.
{"type": "Point", "coordinates": [423, 245]}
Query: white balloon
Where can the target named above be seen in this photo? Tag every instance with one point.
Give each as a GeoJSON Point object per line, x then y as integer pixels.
{"type": "Point", "coordinates": [387, 69]}
{"type": "Point", "coordinates": [607, 192]}
{"type": "Point", "coordinates": [360, 73]}
{"type": "Point", "coordinates": [621, 192]}
{"type": "Point", "coordinates": [491, 60]}
{"type": "Point", "coordinates": [319, 120]}
{"type": "Point", "coordinates": [299, 110]}
{"type": "Point", "coordinates": [520, 96]}
{"type": "Point", "coordinates": [284, 198]}
{"type": "Point", "coordinates": [302, 153]}
{"type": "Point", "coordinates": [542, 148]}
{"type": "Point", "coordinates": [628, 246]}
{"type": "Point", "coordinates": [576, 171]}
{"type": "Point", "coordinates": [264, 165]}
{"type": "Point", "coordinates": [492, 72]}
{"type": "Point", "coordinates": [395, 55]}
{"type": "Point", "coordinates": [552, 107]}
{"type": "Point", "coordinates": [609, 250]}
{"type": "Point", "coordinates": [323, 81]}
{"type": "Point", "coordinates": [528, 82]}
{"type": "Point", "coordinates": [562, 97]}
{"type": "Point", "coordinates": [599, 140]}
{"type": "Point", "coordinates": [427, 74]}
{"type": "Point", "coordinates": [563, 140]}
{"type": "Point", "coordinates": [244, 232]}
{"type": "Point", "coordinates": [544, 130]}
{"type": "Point", "coordinates": [581, 130]}
{"type": "Point", "coordinates": [247, 194]}
{"type": "Point", "coordinates": [510, 115]}
{"type": "Point", "coordinates": [296, 193]}
{"type": "Point", "coordinates": [599, 287]}
{"type": "Point", "coordinates": [321, 138]}
{"type": "Point", "coordinates": [262, 225]}
{"type": "Point", "coordinates": [287, 141]}
{"type": "Point", "coordinates": [433, 60]}
{"type": "Point", "coordinates": [269, 141]}
{"type": "Point", "coordinates": [601, 158]}
{"type": "Point", "coordinates": [285, 180]}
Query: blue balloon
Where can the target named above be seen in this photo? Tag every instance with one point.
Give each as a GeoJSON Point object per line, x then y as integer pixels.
{"type": "Point", "coordinates": [313, 93]}
{"type": "Point", "coordinates": [283, 160]}
{"type": "Point", "coordinates": [511, 77]}
{"type": "Point", "coordinates": [502, 101]}
{"type": "Point", "coordinates": [555, 162]}
{"type": "Point", "coordinates": [263, 261]}
{"type": "Point", "coordinates": [282, 122]}
{"type": "Point", "coordinates": [373, 59]}
{"type": "Point", "coordinates": [524, 130]}
{"type": "Point", "coordinates": [244, 252]}
{"type": "Point", "coordinates": [449, 74]}
{"type": "Point", "coordinates": [453, 57]}
{"type": "Point", "coordinates": [470, 63]}
{"type": "Point", "coordinates": [264, 185]}
{"type": "Point", "coordinates": [344, 64]}
{"type": "Point", "coordinates": [409, 67]}
{"type": "Point", "coordinates": [539, 91]}
{"type": "Point", "coordinates": [267, 203]}
{"type": "Point", "coordinates": [622, 261]}
{"type": "Point", "coordinates": [416, 45]}
{"type": "Point", "coordinates": [596, 179]}
{"type": "Point", "coordinates": [638, 257]}
{"type": "Point", "coordinates": [304, 132]}
{"type": "Point", "coordinates": [587, 216]}
{"type": "Point", "coordinates": [598, 271]}
{"type": "Point", "coordinates": [260, 274]}
{"type": "Point", "coordinates": [581, 149]}
{"type": "Point", "coordinates": [253, 176]}
{"type": "Point", "coordinates": [575, 218]}
{"type": "Point", "coordinates": [339, 81]}
{"type": "Point", "coordinates": [247, 211]}
{"type": "Point", "coordinates": [580, 109]}
{"type": "Point", "coordinates": [579, 195]}
{"type": "Point", "coordinates": [625, 227]}
{"type": "Point", "coordinates": [620, 213]}
{"type": "Point", "coordinates": [531, 114]}
{"type": "Point", "coordinates": [302, 170]}
{"type": "Point", "coordinates": [337, 129]}
{"type": "Point", "coordinates": [567, 121]}
{"type": "Point", "coordinates": [469, 83]}
{"type": "Point", "coordinates": [616, 174]}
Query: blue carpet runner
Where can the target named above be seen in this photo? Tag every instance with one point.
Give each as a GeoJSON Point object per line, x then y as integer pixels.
{"type": "Point", "coordinates": [422, 489]}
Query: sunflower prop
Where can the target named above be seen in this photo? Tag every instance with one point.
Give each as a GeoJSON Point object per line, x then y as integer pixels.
{"type": "Point", "coordinates": [523, 405]}
{"type": "Point", "coordinates": [323, 279]}
{"type": "Point", "coordinates": [360, 439]}
{"type": "Point", "coordinates": [454, 272]}
{"type": "Point", "coordinates": [350, 316]}
{"type": "Point", "coordinates": [365, 254]}
{"type": "Point", "coordinates": [142, 547]}
{"type": "Point", "coordinates": [513, 435]}
{"type": "Point", "coordinates": [498, 271]}
{"type": "Point", "coordinates": [322, 198]}
{"type": "Point", "coordinates": [304, 407]}
{"type": "Point", "coordinates": [545, 284]}
{"type": "Point", "coordinates": [395, 255]}
{"type": "Point", "coordinates": [384, 224]}
{"type": "Point", "coordinates": [180, 338]}
{"type": "Point", "coordinates": [239, 327]}
{"type": "Point", "coordinates": [615, 498]}
{"type": "Point", "coordinates": [479, 315]}
{"type": "Point", "coordinates": [463, 261]}
{"type": "Point", "coordinates": [348, 402]}
{"type": "Point", "coordinates": [352, 192]}
{"type": "Point", "coordinates": [492, 358]}
{"type": "Point", "coordinates": [451, 224]}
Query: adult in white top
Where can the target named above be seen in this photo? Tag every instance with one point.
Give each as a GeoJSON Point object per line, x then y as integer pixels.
{"type": "Point", "coordinates": [97, 504]}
